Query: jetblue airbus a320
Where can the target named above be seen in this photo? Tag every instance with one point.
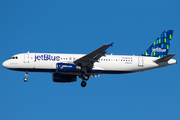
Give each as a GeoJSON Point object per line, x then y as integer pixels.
{"type": "Point", "coordinates": [66, 67]}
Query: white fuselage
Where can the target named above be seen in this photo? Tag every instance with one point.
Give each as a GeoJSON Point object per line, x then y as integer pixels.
{"type": "Point", "coordinates": [109, 64]}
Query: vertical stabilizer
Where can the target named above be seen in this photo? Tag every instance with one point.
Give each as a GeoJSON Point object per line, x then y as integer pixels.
{"type": "Point", "coordinates": [161, 45]}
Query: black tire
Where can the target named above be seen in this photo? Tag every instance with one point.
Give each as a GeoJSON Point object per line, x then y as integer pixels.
{"type": "Point", "coordinates": [83, 83]}
{"type": "Point", "coordinates": [86, 77]}
{"type": "Point", "coordinates": [25, 79]}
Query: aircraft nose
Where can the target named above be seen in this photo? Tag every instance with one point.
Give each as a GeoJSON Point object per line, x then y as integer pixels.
{"type": "Point", "coordinates": [5, 64]}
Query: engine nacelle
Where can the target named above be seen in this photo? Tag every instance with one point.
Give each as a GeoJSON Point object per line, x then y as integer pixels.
{"type": "Point", "coordinates": [67, 67]}
{"type": "Point", "coordinates": [57, 77]}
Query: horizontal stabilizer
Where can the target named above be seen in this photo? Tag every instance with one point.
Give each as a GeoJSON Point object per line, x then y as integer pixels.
{"type": "Point", "coordinates": [164, 59]}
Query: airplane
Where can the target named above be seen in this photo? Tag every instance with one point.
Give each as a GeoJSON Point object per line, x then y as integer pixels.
{"type": "Point", "coordinates": [66, 67]}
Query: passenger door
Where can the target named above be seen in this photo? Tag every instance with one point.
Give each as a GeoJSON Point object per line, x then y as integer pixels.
{"type": "Point", "coordinates": [140, 61]}
{"type": "Point", "coordinates": [26, 57]}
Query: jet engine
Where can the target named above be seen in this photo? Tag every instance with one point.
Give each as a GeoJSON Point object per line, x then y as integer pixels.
{"type": "Point", "coordinates": [67, 67]}
{"type": "Point", "coordinates": [57, 77]}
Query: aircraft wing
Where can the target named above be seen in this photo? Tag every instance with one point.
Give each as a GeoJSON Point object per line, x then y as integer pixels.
{"type": "Point", "coordinates": [89, 59]}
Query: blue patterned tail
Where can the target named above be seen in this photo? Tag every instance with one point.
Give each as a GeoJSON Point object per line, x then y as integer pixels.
{"type": "Point", "coordinates": [161, 45]}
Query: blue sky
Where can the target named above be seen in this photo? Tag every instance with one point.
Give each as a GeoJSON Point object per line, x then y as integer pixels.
{"type": "Point", "coordinates": [82, 26]}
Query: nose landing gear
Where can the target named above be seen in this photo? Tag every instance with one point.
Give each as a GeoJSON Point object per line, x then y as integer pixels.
{"type": "Point", "coordinates": [25, 79]}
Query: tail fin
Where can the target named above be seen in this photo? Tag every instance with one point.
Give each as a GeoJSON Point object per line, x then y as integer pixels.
{"type": "Point", "coordinates": [161, 45]}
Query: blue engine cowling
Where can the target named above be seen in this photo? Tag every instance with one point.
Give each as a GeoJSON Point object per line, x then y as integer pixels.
{"type": "Point", "coordinates": [67, 67]}
{"type": "Point", "coordinates": [57, 77]}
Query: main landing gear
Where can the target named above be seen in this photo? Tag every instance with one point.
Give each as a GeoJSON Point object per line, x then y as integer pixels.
{"type": "Point", "coordinates": [83, 83]}
{"type": "Point", "coordinates": [85, 77]}
{"type": "Point", "coordinates": [26, 79]}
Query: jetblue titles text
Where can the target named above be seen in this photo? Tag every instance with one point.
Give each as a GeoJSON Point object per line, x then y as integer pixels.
{"type": "Point", "coordinates": [46, 57]}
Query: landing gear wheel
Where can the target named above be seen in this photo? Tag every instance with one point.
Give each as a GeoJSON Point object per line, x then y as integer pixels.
{"type": "Point", "coordinates": [86, 77]}
{"type": "Point", "coordinates": [26, 74]}
{"type": "Point", "coordinates": [83, 83]}
{"type": "Point", "coordinates": [25, 79]}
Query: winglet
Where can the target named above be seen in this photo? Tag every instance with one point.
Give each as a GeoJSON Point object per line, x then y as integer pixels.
{"type": "Point", "coordinates": [111, 44]}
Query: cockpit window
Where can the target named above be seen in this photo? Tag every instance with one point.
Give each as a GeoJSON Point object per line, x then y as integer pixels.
{"type": "Point", "coordinates": [14, 57]}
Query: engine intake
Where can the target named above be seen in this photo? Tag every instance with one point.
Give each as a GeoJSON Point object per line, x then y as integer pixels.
{"type": "Point", "coordinates": [67, 67]}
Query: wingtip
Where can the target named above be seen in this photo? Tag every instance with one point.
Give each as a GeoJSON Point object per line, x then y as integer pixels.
{"type": "Point", "coordinates": [111, 44]}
